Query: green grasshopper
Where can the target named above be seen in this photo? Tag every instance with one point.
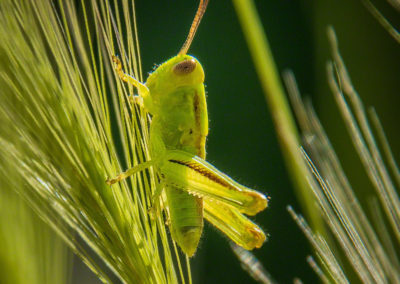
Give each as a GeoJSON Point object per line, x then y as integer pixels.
{"type": "Point", "coordinates": [174, 95]}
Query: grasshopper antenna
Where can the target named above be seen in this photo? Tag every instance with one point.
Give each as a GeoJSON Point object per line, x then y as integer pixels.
{"type": "Point", "coordinates": [196, 22]}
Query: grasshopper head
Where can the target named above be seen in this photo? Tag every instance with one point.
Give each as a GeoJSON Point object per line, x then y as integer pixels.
{"type": "Point", "coordinates": [181, 70]}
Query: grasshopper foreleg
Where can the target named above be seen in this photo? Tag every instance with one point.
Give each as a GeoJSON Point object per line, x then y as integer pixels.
{"type": "Point", "coordinates": [136, 100]}
{"type": "Point", "coordinates": [130, 172]}
{"type": "Point", "coordinates": [142, 88]}
{"type": "Point", "coordinates": [156, 195]}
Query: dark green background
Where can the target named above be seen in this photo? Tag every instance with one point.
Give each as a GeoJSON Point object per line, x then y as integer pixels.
{"type": "Point", "coordinates": [242, 141]}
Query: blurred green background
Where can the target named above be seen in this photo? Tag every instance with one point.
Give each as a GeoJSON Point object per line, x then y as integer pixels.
{"type": "Point", "coordinates": [242, 141]}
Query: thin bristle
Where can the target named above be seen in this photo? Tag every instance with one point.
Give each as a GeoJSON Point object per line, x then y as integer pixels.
{"type": "Point", "coordinates": [323, 251]}
{"type": "Point", "coordinates": [314, 265]}
{"type": "Point", "coordinates": [363, 140]}
{"type": "Point", "coordinates": [252, 265]}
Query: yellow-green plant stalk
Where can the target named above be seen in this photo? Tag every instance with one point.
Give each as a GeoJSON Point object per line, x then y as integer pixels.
{"type": "Point", "coordinates": [277, 102]}
{"type": "Point", "coordinates": [61, 105]}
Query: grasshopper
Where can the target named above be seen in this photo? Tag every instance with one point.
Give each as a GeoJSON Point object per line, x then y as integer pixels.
{"type": "Point", "coordinates": [175, 97]}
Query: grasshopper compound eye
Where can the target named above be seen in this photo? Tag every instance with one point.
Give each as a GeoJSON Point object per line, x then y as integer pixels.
{"type": "Point", "coordinates": [184, 67]}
